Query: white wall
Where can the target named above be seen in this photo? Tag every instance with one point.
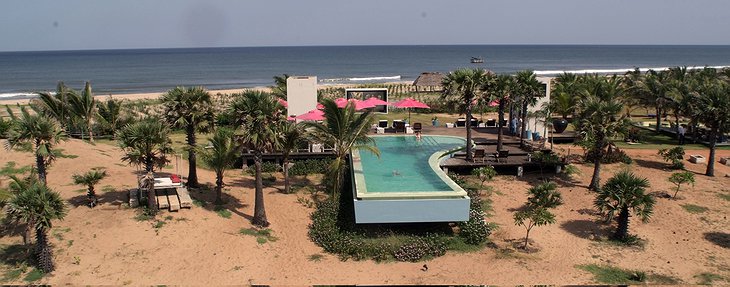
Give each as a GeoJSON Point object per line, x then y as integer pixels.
{"type": "Point", "coordinates": [301, 94]}
{"type": "Point", "coordinates": [531, 122]}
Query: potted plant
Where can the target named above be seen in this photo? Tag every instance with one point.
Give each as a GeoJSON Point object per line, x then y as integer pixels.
{"type": "Point", "coordinates": [435, 121]}
{"type": "Point", "coordinates": [563, 104]}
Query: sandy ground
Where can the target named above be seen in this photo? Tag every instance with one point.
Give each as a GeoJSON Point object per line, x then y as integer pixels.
{"type": "Point", "coordinates": [106, 245]}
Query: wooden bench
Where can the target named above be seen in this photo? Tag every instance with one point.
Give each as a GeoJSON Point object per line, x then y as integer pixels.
{"type": "Point", "coordinates": [184, 197]}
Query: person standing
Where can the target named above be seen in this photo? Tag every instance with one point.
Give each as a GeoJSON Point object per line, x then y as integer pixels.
{"type": "Point", "coordinates": [680, 132]}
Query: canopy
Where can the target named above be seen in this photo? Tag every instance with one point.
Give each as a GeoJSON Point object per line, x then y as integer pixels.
{"type": "Point", "coordinates": [283, 103]}
{"type": "Point", "coordinates": [291, 118]}
{"type": "Point", "coordinates": [313, 115]}
{"type": "Point", "coordinates": [494, 103]}
{"type": "Point", "coordinates": [375, 101]}
{"type": "Point", "coordinates": [320, 106]}
{"type": "Point", "coordinates": [359, 105]}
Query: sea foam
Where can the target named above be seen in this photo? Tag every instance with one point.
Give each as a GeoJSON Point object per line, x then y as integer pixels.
{"type": "Point", "coordinates": [615, 71]}
{"type": "Point", "coordinates": [17, 95]}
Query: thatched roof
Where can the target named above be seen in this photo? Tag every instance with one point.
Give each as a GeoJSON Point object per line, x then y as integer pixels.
{"type": "Point", "coordinates": [429, 79]}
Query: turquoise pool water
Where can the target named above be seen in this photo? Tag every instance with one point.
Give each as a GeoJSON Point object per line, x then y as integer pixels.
{"type": "Point", "coordinates": [403, 164]}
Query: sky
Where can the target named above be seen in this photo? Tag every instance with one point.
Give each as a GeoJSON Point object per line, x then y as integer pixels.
{"type": "Point", "coordinates": [36, 25]}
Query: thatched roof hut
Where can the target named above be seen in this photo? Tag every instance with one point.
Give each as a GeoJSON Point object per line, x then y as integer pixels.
{"type": "Point", "coordinates": [429, 81]}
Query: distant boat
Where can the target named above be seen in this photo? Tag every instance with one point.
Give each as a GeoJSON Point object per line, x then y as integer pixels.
{"type": "Point", "coordinates": [477, 60]}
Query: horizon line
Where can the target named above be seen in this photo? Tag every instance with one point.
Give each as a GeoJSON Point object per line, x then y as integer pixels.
{"type": "Point", "coordinates": [357, 45]}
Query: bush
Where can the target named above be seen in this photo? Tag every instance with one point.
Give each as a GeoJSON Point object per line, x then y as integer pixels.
{"type": "Point", "coordinates": [613, 155]}
{"type": "Point", "coordinates": [266, 167]}
{"type": "Point", "coordinates": [474, 231]}
{"type": "Point", "coordinates": [673, 156]}
{"type": "Point", "coordinates": [4, 127]}
{"type": "Point", "coordinates": [419, 248]}
{"type": "Point", "coordinates": [309, 166]}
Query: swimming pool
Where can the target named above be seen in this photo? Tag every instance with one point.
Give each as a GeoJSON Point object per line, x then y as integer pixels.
{"type": "Point", "coordinates": [407, 167]}
{"type": "Point", "coordinates": [405, 184]}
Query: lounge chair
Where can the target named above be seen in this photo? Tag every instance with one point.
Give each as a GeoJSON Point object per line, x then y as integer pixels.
{"type": "Point", "coordinates": [417, 127]}
{"type": "Point", "coordinates": [399, 126]}
{"type": "Point", "coordinates": [383, 123]}
{"type": "Point", "coordinates": [479, 155]}
{"type": "Point", "coordinates": [501, 154]}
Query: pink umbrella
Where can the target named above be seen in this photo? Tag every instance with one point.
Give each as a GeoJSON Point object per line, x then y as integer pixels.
{"type": "Point", "coordinates": [410, 103]}
{"type": "Point", "coordinates": [375, 101]}
{"type": "Point", "coordinates": [494, 103]}
{"type": "Point", "coordinates": [313, 115]}
{"type": "Point", "coordinates": [320, 106]}
{"type": "Point", "coordinates": [283, 103]}
{"type": "Point", "coordinates": [359, 105]}
{"type": "Point", "coordinates": [291, 118]}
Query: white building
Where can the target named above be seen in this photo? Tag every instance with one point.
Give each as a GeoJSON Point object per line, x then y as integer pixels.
{"type": "Point", "coordinates": [301, 94]}
{"type": "Point", "coordinates": [538, 124]}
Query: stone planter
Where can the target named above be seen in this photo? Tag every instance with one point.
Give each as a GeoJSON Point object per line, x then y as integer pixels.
{"type": "Point", "coordinates": [697, 159]}
{"type": "Point", "coordinates": [725, 161]}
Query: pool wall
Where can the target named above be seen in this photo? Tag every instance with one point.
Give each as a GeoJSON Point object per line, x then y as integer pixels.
{"type": "Point", "coordinates": [408, 207]}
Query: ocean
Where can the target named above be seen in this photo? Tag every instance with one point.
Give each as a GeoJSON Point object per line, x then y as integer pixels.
{"type": "Point", "coordinates": [157, 70]}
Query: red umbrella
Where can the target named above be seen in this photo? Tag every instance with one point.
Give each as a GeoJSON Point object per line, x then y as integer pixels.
{"type": "Point", "coordinates": [313, 115]}
{"type": "Point", "coordinates": [283, 103]}
{"type": "Point", "coordinates": [410, 103]}
{"type": "Point", "coordinates": [375, 101]}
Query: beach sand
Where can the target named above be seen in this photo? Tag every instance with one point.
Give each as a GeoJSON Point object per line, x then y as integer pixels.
{"type": "Point", "coordinates": [107, 246]}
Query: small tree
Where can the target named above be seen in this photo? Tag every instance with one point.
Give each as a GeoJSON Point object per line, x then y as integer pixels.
{"type": "Point", "coordinates": [90, 179]}
{"type": "Point", "coordinates": [622, 193]}
{"type": "Point", "coordinates": [679, 178]}
{"type": "Point", "coordinates": [484, 174]}
{"type": "Point", "coordinates": [221, 155]}
{"type": "Point", "coordinates": [540, 198]}
{"type": "Point", "coordinates": [673, 156]}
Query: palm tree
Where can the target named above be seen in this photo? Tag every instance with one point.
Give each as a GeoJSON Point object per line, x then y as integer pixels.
{"type": "Point", "coordinates": [622, 192]}
{"type": "Point", "coordinates": [39, 130]}
{"type": "Point", "coordinates": [90, 179]}
{"type": "Point", "coordinates": [527, 88]}
{"type": "Point", "coordinates": [110, 115]}
{"type": "Point", "coordinates": [220, 155]}
{"type": "Point", "coordinates": [600, 119]}
{"type": "Point", "coordinates": [55, 105]}
{"type": "Point", "coordinates": [38, 205]}
{"type": "Point", "coordinates": [258, 113]}
{"type": "Point", "coordinates": [291, 136]}
{"type": "Point", "coordinates": [82, 107]}
{"type": "Point", "coordinates": [345, 130]}
{"type": "Point", "coordinates": [146, 143]}
{"type": "Point", "coordinates": [192, 109]}
{"type": "Point", "coordinates": [712, 100]}
{"type": "Point", "coordinates": [279, 87]}
{"type": "Point", "coordinates": [462, 87]}
{"type": "Point", "coordinates": [651, 91]}
{"type": "Point", "coordinates": [15, 187]}
{"type": "Point", "coordinates": [499, 89]}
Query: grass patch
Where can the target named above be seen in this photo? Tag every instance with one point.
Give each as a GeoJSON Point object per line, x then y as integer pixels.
{"type": "Point", "coordinates": [10, 169]}
{"type": "Point", "coordinates": [613, 275]}
{"type": "Point", "coordinates": [691, 208]}
{"type": "Point", "coordinates": [198, 202]}
{"type": "Point", "coordinates": [144, 214]}
{"type": "Point", "coordinates": [80, 190]}
{"type": "Point", "coordinates": [315, 257]}
{"type": "Point", "coordinates": [725, 196]}
{"type": "Point", "coordinates": [262, 235]}
{"type": "Point", "coordinates": [158, 224]}
{"type": "Point", "coordinates": [223, 212]}
{"type": "Point", "coordinates": [24, 147]}
{"type": "Point", "coordinates": [108, 188]}
{"type": "Point", "coordinates": [707, 278]}
{"type": "Point", "coordinates": [168, 218]}
{"type": "Point", "coordinates": [12, 274]}
{"type": "Point", "coordinates": [58, 232]}
{"type": "Point", "coordinates": [33, 275]}
{"type": "Point", "coordinates": [59, 154]}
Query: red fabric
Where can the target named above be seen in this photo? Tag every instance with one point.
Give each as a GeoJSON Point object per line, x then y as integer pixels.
{"type": "Point", "coordinates": [175, 178]}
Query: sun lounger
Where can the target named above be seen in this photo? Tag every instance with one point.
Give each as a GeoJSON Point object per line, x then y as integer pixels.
{"type": "Point", "coordinates": [162, 201]}
{"type": "Point", "coordinates": [479, 155]}
{"type": "Point", "coordinates": [184, 197]}
{"type": "Point", "coordinates": [172, 198]}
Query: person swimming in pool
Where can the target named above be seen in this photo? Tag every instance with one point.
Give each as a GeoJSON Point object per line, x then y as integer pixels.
{"type": "Point", "coordinates": [418, 135]}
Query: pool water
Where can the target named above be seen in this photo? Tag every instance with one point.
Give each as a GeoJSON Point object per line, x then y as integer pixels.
{"type": "Point", "coordinates": [403, 164]}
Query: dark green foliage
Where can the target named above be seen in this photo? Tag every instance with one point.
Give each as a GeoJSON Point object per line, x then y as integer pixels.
{"type": "Point", "coordinates": [613, 155]}
{"type": "Point", "coordinates": [622, 194]}
{"type": "Point", "coordinates": [266, 167]}
{"type": "Point", "coordinates": [679, 178]}
{"type": "Point", "coordinates": [419, 248]}
{"type": "Point", "coordinates": [535, 213]}
{"type": "Point", "coordinates": [474, 231]}
{"type": "Point", "coordinates": [4, 127]}
{"type": "Point", "coordinates": [484, 174]}
{"type": "Point", "coordinates": [10, 169]}
{"type": "Point", "coordinates": [310, 166]}
{"type": "Point", "coordinates": [673, 156]}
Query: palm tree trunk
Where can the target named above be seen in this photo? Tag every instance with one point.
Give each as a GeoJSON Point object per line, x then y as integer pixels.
{"type": "Point", "coordinates": [192, 163]}
{"type": "Point", "coordinates": [285, 168]}
{"type": "Point", "coordinates": [523, 125]}
{"type": "Point", "coordinates": [28, 232]}
{"type": "Point", "coordinates": [713, 146]}
{"type": "Point", "coordinates": [596, 179]}
{"type": "Point", "coordinates": [218, 187]}
{"type": "Point", "coordinates": [41, 165]}
{"type": "Point", "coordinates": [623, 224]}
{"type": "Point", "coordinates": [92, 196]}
{"type": "Point", "coordinates": [469, 156]}
{"type": "Point", "coordinates": [500, 115]}
{"type": "Point", "coordinates": [91, 133]}
{"type": "Point", "coordinates": [44, 252]}
{"type": "Point", "coordinates": [658, 118]}
{"type": "Point", "coordinates": [259, 212]}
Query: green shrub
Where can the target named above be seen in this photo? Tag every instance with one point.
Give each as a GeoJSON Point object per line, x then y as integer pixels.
{"type": "Point", "coordinates": [673, 156]}
{"type": "Point", "coordinates": [4, 127]}
{"type": "Point", "coordinates": [419, 248]}
{"type": "Point", "coordinates": [266, 167]}
{"type": "Point", "coordinates": [613, 155]}
{"type": "Point", "coordinates": [309, 166]}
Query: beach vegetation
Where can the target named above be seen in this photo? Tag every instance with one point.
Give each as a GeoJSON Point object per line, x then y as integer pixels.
{"type": "Point", "coordinates": [712, 101]}
{"type": "Point", "coordinates": [222, 211]}
{"type": "Point", "coordinates": [279, 87]}
{"type": "Point", "coordinates": [90, 179]}
{"type": "Point", "coordinates": [111, 116]}
{"type": "Point", "coordinates": [309, 166]}
{"type": "Point", "coordinates": [565, 94]}
{"type": "Point", "coordinates": [536, 212]}
{"type": "Point", "coordinates": [55, 105]}
{"type": "Point", "coordinates": [623, 193]}
{"type": "Point", "coordinates": [4, 127]}
{"type": "Point", "coordinates": [190, 108]}
{"type": "Point", "coordinates": [38, 206]}
{"type": "Point", "coordinates": [673, 156]}
{"type": "Point", "coordinates": [461, 89]}
{"type": "Point", "coordinates": [692, 208]}
{"type": "Point", "coordinates": [345, 130]}
{"type": "Point", "coordinates": [220, 155]}
{"type": "Point", "coordinates": [484, 174]}
{"type": "Point", "coordinates": [526, 89]}
{"type": "Point", "coordinates": [679, 178]}
{"type": "Point", "coordinates": [83, 108]}
{"type": "Point", "coordinates": [707, 278]}
{"type": "Point", "coordinates": [499, 88]}
{"type": "Point", "coordinates": [11, 169]}
{"type": "Point", "coordinates": [258, 113]}
{"type": "Point", "coordinates": [146, 143]}
{"type": "Point", "coordinates": [292, 135]}
{"type": "Point", "coordinates": [42, 132]}
{"type": "Point", "coordinates": [600, 120]}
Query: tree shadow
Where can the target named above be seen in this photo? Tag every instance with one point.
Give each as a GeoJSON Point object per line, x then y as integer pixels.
{"type": "Point", "coordinates": [13, 255]}
{"type": "Point", "coordinates": [11, 228]}
{"type": "Point", "coordinates": [587, 229]}
{"type": "Point", "coordinates": [106, 195]}
{"type": "Point", "coordinates": [205, 196]}
{"type": "Point", "coordinates": [652, 164]}
{"type": "Point", "coordinates": [719, 238]}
